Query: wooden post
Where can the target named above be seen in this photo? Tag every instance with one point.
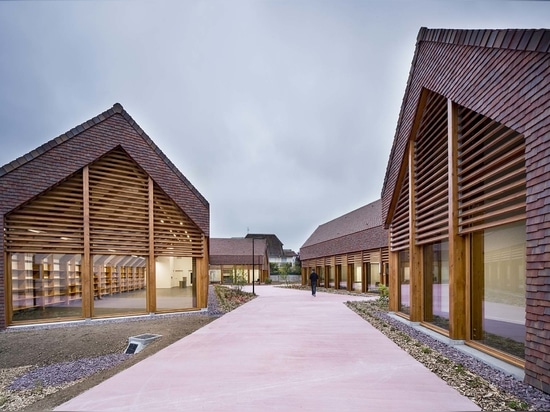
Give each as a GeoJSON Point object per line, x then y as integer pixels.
{"type": "Point", "coordinates": [201, 278]}
{"type": "Point", "coordinates": [457, 267]}
{"type": "Point", "coordinates": [394, 281]}
{"type": "Point", "coordinates": [86, 269]}
{"type": "Point", "coordinates": [415, 252]}
{"type": "Point", "coordinates": [151, 288]}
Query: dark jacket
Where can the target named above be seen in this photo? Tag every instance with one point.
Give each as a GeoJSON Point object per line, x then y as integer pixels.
{"type": "Point", "coordinates": [313, 277]}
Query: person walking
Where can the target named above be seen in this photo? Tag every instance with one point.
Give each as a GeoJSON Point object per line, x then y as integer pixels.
{"type": "Point", "coordinates": [313, 279]}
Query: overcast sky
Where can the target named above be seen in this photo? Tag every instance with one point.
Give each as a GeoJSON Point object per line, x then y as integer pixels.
{"type": "Point", "coordinates": [281, 113]}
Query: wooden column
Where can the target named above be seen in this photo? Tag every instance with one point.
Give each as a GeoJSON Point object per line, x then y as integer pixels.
{"type": "Point", "coordinates": [201, 278]}
{"type": "Point", "coordinates": [151, 272]}
{"type": "Point", "coordinates": [364, 277]}
{"type": "Point", "coordinates": [86, 270]}
{"type": "Point", "coordinates": [394, 281]}
{"type": "Point", "coordinates": [415, 252]}
{"type": "Point", "coordinates": [457, 267]}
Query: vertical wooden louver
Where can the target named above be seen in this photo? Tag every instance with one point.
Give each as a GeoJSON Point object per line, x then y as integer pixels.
{"type": "Point", "coordinates": [491, 173]}
{"type": "Point", "coordinates": [399, 229]}
{"type": "Point", "coordinates": [175, 233]}
{"type": "Point", "coordinates": [51, 222]}
{"type": "Point", "coordinates": [431, 173]}
{"type": "Point", "coordinates": [118, 206]}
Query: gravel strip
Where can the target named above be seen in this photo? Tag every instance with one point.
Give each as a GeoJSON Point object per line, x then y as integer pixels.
{"type": "Point", "coordinates": [62, 373]}
{"type": "Point", "coordinates": [489, 388]}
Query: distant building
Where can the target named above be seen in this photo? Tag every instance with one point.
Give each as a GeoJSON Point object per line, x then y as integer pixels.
{"type": "Point", "coordinates": [233, 257]}
{"type": "Point", "coordinates": [466, 195]}
{"type": "Point", "coordinates": [98, 222]}
{"type": "Point", "coordinates": [349, 252]}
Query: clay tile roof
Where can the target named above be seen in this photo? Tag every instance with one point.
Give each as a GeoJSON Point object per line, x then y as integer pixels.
{"type": "Point", "coordinates": [366, 217]}
{"type": "Point", "coordinates": [236, 251]}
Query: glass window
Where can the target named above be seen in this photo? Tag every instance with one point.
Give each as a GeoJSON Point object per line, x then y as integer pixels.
{"type": "Point", "coordinates": [404, 282]}
{"type": "Point", "coordinates": [175, 282]}
{"type": "Point", "coordinates": [330, 273]}
{"type": "Point", "coordinates": [498, 288]}
{"type": "Point", "coordinates": [46, 286]}
{"type": "Point", "coordinates": [436, 284]}
{"type": "Point", "coordinates": [374, 276]}
{"type": "Point", "coordinates": [119, 284]}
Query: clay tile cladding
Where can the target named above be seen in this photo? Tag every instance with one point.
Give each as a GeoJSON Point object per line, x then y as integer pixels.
{"type": "Point", "coordinates": [501, 74]}
{"type": "Point", "coordinates": [236, 251]}
{"type": "Point", "coordinates": [358, 230]}
{"type": "Point", "coordinates": [33, 173]}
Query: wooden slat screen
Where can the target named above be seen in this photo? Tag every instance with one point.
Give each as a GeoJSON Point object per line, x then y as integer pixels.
{"type": "Point", "coordinates": [354, 258]}
{"type": "Point", "coordinates": [175, 233]}
{"type": "Point", "coordinates": [118, 206]}
{"type": "Point", "coordinates": [366, 256]}
{"type": "Point", "coordinates": [431, 173]}
{"type": "Point", "coordinates": [385, 255]}
{"type": "Point", "coordinates": [53, 221]}
{"type": "Point", "coordinates": [399, 228]}
{"type": "Point", "coordinates": [491, 173]}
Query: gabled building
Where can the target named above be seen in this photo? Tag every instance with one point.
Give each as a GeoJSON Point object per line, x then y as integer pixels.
{"type": "Point", "coordinates": [274, 245]}
{"type": "Point", "coordinates": [231, 258]}
{"type": "Point", "coordinates": [349, 252]}
{"type": "Point", "coordinates": [99, 222]}
{"type": "Point", "coordinates": [466, 195]}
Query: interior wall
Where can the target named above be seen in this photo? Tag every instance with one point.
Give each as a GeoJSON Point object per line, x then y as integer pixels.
{"type": "Point", "coordinates": [171, 270]}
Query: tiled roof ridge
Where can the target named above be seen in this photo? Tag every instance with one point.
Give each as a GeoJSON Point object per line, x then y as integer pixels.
{"type": "Point", "coordinates": [313, 239]}
{"type": "Point", "coordinates": [371, 204]}
{"type": "Point", "coordinates": [537, 40]}
{"type": "Point", "coordinates": [116, 109]}
{"type": "Point", "coordinates": [342, 236]}
{"type": "Point", "coordinates": [20, 161]}
{"type": "Point", "coordinates": [157, 150]}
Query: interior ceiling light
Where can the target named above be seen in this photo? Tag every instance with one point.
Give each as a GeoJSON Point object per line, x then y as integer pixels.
{"type": "Point", "coordinates": [65, 238]}
{"type": "Point", "coordinates": [35, 231]}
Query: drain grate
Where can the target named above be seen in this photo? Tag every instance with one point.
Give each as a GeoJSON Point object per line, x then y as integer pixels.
{"type": "Point", "coordinates": [137, 343]}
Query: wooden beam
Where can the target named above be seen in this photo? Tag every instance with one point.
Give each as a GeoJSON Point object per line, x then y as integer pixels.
{"type": "Point", "coordinates": [151, 273]}
{"type": "Point", "coordinates": [394, 282]}
{"type": "Point", "coordinates": [202, 277]}
{"type": "Point", "coordinates": [457, 266]}
{"type": "Point", "coordinates": [415, 252]}
{"type": "Point", "coordinates": [86, 272]}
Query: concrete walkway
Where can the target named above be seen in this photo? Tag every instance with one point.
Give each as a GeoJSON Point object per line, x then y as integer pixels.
{"type": "Point", "coordinates": [284, 351]}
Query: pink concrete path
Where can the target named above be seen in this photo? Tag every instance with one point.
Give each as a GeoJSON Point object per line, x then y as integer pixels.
{"type": "Point", "coordinates": [284, 351]}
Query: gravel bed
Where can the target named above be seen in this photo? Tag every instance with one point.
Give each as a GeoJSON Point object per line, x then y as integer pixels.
{"type": "Point", "coordinates": [488, 387]}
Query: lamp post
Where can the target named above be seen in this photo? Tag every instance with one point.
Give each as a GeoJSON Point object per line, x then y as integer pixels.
{"type": "Point", "coordinates": [253, 267]}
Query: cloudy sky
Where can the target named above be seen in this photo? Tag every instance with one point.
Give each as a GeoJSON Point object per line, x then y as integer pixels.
{"type": "Point", "coordinates": [280, 112]}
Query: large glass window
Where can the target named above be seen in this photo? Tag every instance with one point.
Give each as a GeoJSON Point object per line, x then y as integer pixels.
{"type": "Point", "coordinates": [175, 283]}
{"type": "Point", "coordinates": [330, 276]}
{"type": "Point", "coordinates": [343, 276]}
{"type": "Point", "coordinates": [374, 276]}
{"type": "Point", "coordinates": [45, 286]}
{"type": "Point", "coordinates": [404, 282]}
{"type": "Point", "coordinates": [498, 288]}
{"type": "Point", "coordinates": [436, 284]}
{"type": "Point", "coordinates": [358, 271]}
{"type": "Point", "coordinates": [119, 285]}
